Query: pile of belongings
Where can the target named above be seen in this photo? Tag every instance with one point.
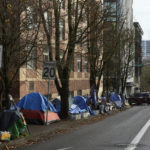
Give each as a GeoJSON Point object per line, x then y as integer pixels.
{"type": "Point", "coordinates": [5, 136]}
{"type": "Point", "coordinates": [12, 124]}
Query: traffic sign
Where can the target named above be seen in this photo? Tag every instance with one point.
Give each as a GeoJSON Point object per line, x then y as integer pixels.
{"type": "Point", "coordinates": [1, 52]}
{"type": "Point", "coordinates": [49, 70]}
{"type": "Point", "coordinates": [139, 65]}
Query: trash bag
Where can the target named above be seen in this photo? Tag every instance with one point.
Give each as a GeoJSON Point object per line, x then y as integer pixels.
{"type": "Point", "coordinates": [18, 128]}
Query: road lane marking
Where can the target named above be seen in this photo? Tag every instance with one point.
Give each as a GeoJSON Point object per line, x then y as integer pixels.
{"type": "Point", "coordinates": [138, 137]}
{"type": "Point", "coordinates": [65, 148]}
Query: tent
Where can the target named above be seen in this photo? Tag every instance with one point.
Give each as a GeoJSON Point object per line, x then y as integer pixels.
{"type": "Point", "coordinates": [74, 109]}
{"type": "Point", "coordinates": [116, 99]}
{"type": "Point", "coordinates": [57, 104]}
{"type": "Point", "coordinates": [34, 107]}
{"type": "Point", "coordinates": [80, 105]}
{"type": "Point", "coordinates": [80, 101]}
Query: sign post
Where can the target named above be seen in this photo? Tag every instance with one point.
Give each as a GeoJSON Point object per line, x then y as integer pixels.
{"type": "Point", "coordinates": [49, 72]}
{"type": "Point", "coordinates": [1, 52]}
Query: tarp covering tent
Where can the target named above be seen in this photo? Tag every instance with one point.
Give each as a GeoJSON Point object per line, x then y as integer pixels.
{"type": "Point", "coordinates": [80, 101]}
{"type": "Point", "coordinates": [35, 101]}
{"type": "Point", "coordinates": [34, 106]}
{"type": "Point", "coordinates": [116, 99]}
{"type": "Point", "coordinates": [81, 105]}
{"type": "Point", "coordinates": [57, 104]}
{"type": "Point", "coordinates": [74, 109]}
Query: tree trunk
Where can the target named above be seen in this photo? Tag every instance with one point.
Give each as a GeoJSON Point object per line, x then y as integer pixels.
{"type": "Point", "coordinates": [64, 102]}
{"type": "Point", "coordinates": [92, 78]}
{"type": "Point", "coordinates": [65, 94]}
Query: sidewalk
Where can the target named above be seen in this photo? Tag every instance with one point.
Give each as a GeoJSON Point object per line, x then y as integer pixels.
{"type": "Point", "coordinates": [43, 132]}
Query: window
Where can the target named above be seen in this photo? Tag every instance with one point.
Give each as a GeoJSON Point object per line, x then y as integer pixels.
{"type": "Point", "coordinates": [31, 60]}
{"type": "Point", "coordinates": [61, 54]}
{"type": "Point", "coordinates": [111, 7]}
{"type": "Point", "coordinates": [73, 7]}
{"type": "Point", "coordinates": [62, 29]}
{"type": "Point", "coordinates": [72, 67]}
{"type": "Point", "coordinates": [86, 65]}
{"type": "Point", "coordinates": [45, 54]}
{"type": "Point", "coordinates": [79, 64]}
{"type": "Point", "coordinates": [111, 10]}
{"type": "Point", "coordinates": [86, 44]}
{"type": "Point", "coordinates": [31, 17]}
{"type": "Point", "coordinates": [31, 85]}
{"type": "Point", "coordinates": [71, 94]}
{"type": "Point", "coordinates": [79, 92]}
{"type": "Point", "coordinates": [87, 19]}
{"type": "Point", "coordinates": [48, 19]}
{"type": "Point", "coordinates": [73, 4]}
{"type": "Point", "coordinates": [79, 10]}
{"type": "Point", "coordinates": [79, 37]}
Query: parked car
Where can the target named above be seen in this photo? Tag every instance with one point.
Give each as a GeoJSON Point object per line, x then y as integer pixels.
{"type": "Point", "coordinates": [139, 98]}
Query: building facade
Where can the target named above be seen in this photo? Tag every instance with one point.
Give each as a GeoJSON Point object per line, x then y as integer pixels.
{"type": "Point", "coordinates": [30, 75]}
{"type": "Point", "coordinates": [127, 8]}
{"type": "Point", "coordinates": [114, 73]}
{"type": "Point", "coordinates": [145, 49]}
{"type": "Point", "coordinates": [138, 56]}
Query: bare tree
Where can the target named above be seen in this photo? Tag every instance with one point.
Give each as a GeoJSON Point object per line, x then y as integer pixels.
{"type": "Point", "coordinates": [104, 46]}
{"type": "Point", "coordinates": [81, 28]}
{"type": "Point", "coordinates": [18, 36]}
{"type": "Point", "coordinates": [116, 43]}
{"type": "Point", "coordinates": [127, 57]}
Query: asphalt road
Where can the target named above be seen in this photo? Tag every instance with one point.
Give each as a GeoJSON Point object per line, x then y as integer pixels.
{"type": "Point", "coordinates": [128, 130]}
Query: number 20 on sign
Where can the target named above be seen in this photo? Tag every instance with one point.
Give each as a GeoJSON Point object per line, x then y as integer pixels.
{"type": "Point", "coordinates": [49, 70]}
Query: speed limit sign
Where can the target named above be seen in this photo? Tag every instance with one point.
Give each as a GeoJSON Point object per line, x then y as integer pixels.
{"type": "Point", "coordinates": [49, 70]}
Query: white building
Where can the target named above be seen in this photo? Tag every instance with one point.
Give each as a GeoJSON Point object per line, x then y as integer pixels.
{"type": "Point", "coordinates": [145, 49]}
{"type": "Point", "coordinates": [127, 10]}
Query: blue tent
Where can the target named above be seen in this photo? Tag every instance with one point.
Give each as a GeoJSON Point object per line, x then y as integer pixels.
{"type": "Point", "coordinates": [35, 101]}
{"type": "Point", "coordinates": [74, 109]}
{"type": "Point", "coordinates": [116, 99]}
{"type": "Point", "coordinates": [57, 104]}
{"type": "Point", "coordinates": [80, 101]}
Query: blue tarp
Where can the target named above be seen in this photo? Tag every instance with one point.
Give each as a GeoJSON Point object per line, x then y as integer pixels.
{"type": "Point", "coordinates": [57, 104]}
{"type": "Point", "coordinates": [74, 109]}
{"type": "Point", "coordinates": [35, 101]}
{"type": "Point", "coordinates": [79, 105]}
{"type": "Point", "coordinates": [80, 101]}
{"type": "Point", "coordinates": [116, 99]}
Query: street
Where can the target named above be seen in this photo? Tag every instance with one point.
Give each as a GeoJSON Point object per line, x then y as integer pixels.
{"type": "Point", "coordinates": [126, 130]}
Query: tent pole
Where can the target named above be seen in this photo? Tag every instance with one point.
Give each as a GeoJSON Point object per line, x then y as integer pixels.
{"type": "Point", "coordinates": [47, 102]}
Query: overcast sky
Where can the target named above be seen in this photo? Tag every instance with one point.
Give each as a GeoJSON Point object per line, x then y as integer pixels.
{"type": "Point", "coordinates": [141, 12]}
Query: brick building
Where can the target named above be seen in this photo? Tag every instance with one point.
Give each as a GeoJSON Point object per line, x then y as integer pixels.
{"type": "Point", "coordinates": [29, 78]}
